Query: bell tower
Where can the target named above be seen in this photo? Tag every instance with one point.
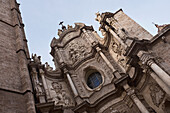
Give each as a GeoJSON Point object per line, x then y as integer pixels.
{"type": "Point", "coordinates": [15, 85]}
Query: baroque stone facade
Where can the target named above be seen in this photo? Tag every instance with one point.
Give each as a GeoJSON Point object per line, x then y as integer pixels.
{"type": "Point", "coordinates": [127, 71]}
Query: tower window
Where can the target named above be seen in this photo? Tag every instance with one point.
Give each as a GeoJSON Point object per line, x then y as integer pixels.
{"type": "Point", "coordinates": [94, 80]}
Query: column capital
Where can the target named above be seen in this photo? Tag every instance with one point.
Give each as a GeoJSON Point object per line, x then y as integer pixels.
{"type": "Point", "coordinates": [128, 89]}
{"type": "Point", "coordinates": [65, 70]}
{"type": "Point", "coordinates": [146, 57]}
{"type": "Point", "coordinates": [98, 49]}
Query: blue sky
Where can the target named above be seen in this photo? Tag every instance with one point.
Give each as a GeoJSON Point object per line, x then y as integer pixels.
{"type": "Point", "coordinates": [41, 17]}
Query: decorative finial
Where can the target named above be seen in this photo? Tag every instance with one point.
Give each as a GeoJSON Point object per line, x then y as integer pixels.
{"type": "Point", "coordinates": [36, 59]}
{"type": "Point", "coordinates": [63, 27]}
{"type": "Point", "coordinates": [98, 18]}
{"type": "Point", "coordinates": [59, 32]}
{"type": "Point", "coordinates": [155, 24]}
{"type": "Point", "coordinates": [160, 27]}
{"type": "Point", "coordinates": [69, 27]}
{"type": "Point", "coordinates": [97, 13]}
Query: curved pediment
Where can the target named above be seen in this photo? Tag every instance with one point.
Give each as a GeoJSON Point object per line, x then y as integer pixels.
{"type": "Point", "coordinates": [67, 35]}
{"type": "Point", "coordinates": [74, 45]}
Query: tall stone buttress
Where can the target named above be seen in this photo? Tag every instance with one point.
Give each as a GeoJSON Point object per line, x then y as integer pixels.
{"type": "Point", "coordinates": [15, 84]}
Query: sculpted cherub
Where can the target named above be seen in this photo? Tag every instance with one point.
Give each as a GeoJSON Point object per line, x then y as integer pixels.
{"type": "Point", "coordinates": [61, 97]}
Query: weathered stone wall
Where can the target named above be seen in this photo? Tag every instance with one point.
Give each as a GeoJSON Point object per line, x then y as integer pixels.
{"type": "Point", "coordinates": [131, 27]}
{"type": "Point", "coordinates": [5, 10]}
{"type": "Point", "coordinates": [15, 85]}
{"type": "Point", "coordinates": [9, 73]}
{"type": "Point", "coordinates": [12, 102]}
{"type": "Point", "coordinates": [161, 49]}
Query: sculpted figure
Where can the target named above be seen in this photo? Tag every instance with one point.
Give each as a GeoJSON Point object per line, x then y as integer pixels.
{"type": "Point", "coordinates": [103, 33]}
{"type": "Point", "coordinates": [36, 59]}
{"type": "Point", "coordinates": [61, 98]}
{"type": "Point", "coordinates": [47, 66]}
{"type": "Point", "coordinates": [38, 88]}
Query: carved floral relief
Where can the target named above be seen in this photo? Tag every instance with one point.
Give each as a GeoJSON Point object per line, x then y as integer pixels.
{"type": "Point", "coordinates": [157, 94]}
{"type": "Point", "coordinates": [77, 51]}
{"type": "Point", "coordinates": [118, 50]}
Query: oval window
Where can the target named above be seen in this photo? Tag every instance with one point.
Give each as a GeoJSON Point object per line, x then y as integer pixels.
{"type": "Point", "coordinates": [94, 80]}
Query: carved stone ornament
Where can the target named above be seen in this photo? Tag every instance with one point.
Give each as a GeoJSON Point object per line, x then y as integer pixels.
{"type": "Point", "coordinates": [59, 32]}
{"type": "Point", "coordinates": [156, 94]}
{"type": "Point", "coordinates": [119, 51]}
{"type": "Point", "coordinates": [113, 111]}
{"type": "Point", "coordinates": [77, 51]}
{"type": "Point", "coordinates": [38, 88]}
{"type": "Point", "coordinates": [48, 67]}
{"type": "Point", "coordinates": [61, 97]}
{"type": "Point", "coordinates": [117, 111]}
{"type": "Point", "coordinates": [36, 59]}
{"type": "Point", "coordinates": [116, 48]}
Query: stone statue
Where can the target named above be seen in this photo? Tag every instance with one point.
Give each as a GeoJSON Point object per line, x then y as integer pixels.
{"type": "Point", "coordinates": [47, 66]}
{"type": "Point", "coordinates": [56, 64]}
{"type": "Point", "coordinates": [63, 27]}
{"type": "Point", "coordinates": [65, 98]}
{"type": "Point", "coordinates": [36, 59]}
{"type": "Point", "coordinates": [103, 33]}
{"type": "Point", "coordinates": [38, 88]}
{"type": "Point", "coordinates": [61, 98]}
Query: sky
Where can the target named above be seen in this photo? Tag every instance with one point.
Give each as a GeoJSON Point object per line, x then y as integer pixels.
{"type": "Point", "coordinates": [41, 17]}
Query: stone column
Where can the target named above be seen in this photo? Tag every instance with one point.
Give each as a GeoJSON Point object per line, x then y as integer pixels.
{"type": "Point", "coordinates": [160, 72]}
{"type": "Point", "coordinates": [44, 84]}
{"type": "Point", "coordinates": [72, 85]}
{"type": "Point", "coordinates": [139, 104]}
{"type": "Point", "coordinates": [59, 55]}
{"type": "Point", "coordinates": [107, 62]}
{"type": "Point", "coordinates": [135, 99]}
{"type": "Point", "coordinates": [147, 59]}
{"type": "Point", "coordinates": [160, 82]}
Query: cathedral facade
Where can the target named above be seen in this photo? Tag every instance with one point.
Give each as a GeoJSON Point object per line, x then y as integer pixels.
{"type": "Point", "coordinates": [126, 71]}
